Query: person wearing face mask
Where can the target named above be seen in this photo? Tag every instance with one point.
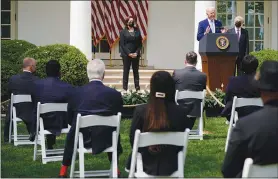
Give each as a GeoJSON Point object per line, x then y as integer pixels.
{"type": "Point", "coordinates": [243, 40]}
{"type": "Point", "coordinates": [130, 49]}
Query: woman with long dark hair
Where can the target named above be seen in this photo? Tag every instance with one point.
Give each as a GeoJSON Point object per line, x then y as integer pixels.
{"type": "Point", "coordinates": [160, 114]}
{"type": "Point", "coordinates": [130, 49]}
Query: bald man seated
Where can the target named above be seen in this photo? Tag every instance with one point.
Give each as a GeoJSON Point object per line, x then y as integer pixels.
{"type": "Point", "coordinates": [22, 83]}
{"type": "Point", "coordinates": [209, 25]}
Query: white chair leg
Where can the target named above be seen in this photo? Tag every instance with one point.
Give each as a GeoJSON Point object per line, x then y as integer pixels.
{"type": "Point", "coordinates": [201, 128]}
{"type": "Point", "coordinates": [81, 164]}
{"type": "Point", "coordinates": [10, 131]}
{"type": "Point", "coordinates": [114, 164]}
{"type": "Point", "coordinates": [15, 133]}
{"type": "Point", "coordinates": [35, 147]}
{"type": "Point", "coordinates": [43, 149]}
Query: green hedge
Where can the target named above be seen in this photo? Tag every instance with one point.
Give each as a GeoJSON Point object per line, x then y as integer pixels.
{"type": "Point", "coordinates": [73, 62]}
{"type": "Point", "coordinates": [266, 54]}
{"type": "Point", "coordinates": [7, 70]}
{"type": "Point", "coordinates": [12, 50]}
{"type": "Point", "coordinates": [11, 60]}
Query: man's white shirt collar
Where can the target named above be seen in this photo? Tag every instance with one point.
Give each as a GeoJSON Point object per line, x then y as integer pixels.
{"type": "Point", "coordinates": [27, 71]}
{"type": "Point", "coordinates": [95, 80]}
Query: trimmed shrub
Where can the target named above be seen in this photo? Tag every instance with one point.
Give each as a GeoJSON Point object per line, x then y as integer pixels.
{"type": "Point", "coordinates": [11, 60]}
{"type": "Point", "coordinates": [73, 62]}
{"type": "Point", "coordinates": [7, 70]}
{"type": "Point", "coordinates": [12, 50]}
{"type": "Point", "coordinates": [266, 54]}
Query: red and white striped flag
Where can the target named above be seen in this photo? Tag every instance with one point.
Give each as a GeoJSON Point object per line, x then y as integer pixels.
{"type": "Point", "coordinates": [98, 30]}
{"type": "Point", "coordinates": [108, 17]}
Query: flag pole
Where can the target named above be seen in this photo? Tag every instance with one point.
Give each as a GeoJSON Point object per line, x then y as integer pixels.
{"type": "Point", "coordinates": [94, 51]}
{"type": "Point", "coordinates": [142, 60]}
{"type": "Point", "coordinates": [110, 58]}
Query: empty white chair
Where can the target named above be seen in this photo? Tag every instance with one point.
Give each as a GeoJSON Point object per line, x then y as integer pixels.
{"type": "Point", "coordinates": [237, 103]}
{"type": "Point", "coordinates": [198, 133]}
{"type": "Point", "coordinates": [158, 138]}
{"type": "Point", "coordinates": [89, 121]}
{"type": "Point", "coordinates": [41, 133]}
{"type": "Point", "coordinates": [251, 170]}
{"type": "Point", "coordinates": [18, 139]}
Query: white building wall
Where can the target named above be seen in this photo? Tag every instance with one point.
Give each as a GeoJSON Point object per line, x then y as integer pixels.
{"type": "Point", "coordinates": [44, 22]}
{"type": "Point", "coordinates": [170, 33]}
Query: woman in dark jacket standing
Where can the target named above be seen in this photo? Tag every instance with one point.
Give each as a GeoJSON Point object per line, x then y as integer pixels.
{"type": "Point", "coordinates": [130, 49]}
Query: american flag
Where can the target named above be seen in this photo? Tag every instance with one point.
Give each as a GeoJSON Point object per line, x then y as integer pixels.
{"type": "Point", "coordinates": [108, 18]}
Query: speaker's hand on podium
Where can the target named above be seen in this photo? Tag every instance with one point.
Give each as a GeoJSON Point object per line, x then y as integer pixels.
{"type": "Point", "coordinates": [224, 30]}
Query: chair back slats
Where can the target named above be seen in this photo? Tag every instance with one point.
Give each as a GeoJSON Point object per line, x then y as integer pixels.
{"type": "Point", "coordinates": [21, 98]}
{"type": "Point", "coordinates": [190, 94]}
{"type": "Point", "coordinates": [95, 120]}
{"type": "Point", "coordinates": [251, 170]}
{"type": "Point", "coordinates": [53, 107]}
{"type": "Point", "coordinates": [241, 102]}
{"type": "Point", "coordinates": [152, 138]}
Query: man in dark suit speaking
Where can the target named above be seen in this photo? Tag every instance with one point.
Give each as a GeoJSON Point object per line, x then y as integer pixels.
{"type": "Point", "coordinates": [209, 25]}
{"type": "Point", "coordinates": [243, 40]}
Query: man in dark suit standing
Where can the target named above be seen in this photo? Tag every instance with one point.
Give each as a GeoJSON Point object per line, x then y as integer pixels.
{"type": "Point", "coordinates": [209, 25]}
{"type": "Point", "coordinates": [22, 83]}
{"type": "Point", "coordinates": [92, 98]}
{"type": "Point", "coordinates": [255, 136]}
{"type": "Point", "coordinates": [53, 90]}
{"type": "Point", "coordinates": [241, 86]}
{"type": "Point", "coordinates": [189, 78]}
{"type": "Point", "coordinates": [243, 40]}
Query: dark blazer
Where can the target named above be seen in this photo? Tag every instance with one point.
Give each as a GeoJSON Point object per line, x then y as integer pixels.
{"type": "Point", "coordinates": [130, 44]}
{"type": "Point", "coordinates": [164, 162]}
{"type": "Point", "coordinates": [240, 86]}
{"type": "Point", "coordinates": [95, 98]}
{"type": "Point", "coordinates": [23, 83]}
{"type": "Point", "coordinates": [243, 42]}
{"type": "Point", "coordinates": [189, 78]}
{"type": "Point", "coordinates": [256, 137]}
{"type": "Point", "coordinates": [203, 26]}
{"type": "Point", "coordinates": [53, 90]}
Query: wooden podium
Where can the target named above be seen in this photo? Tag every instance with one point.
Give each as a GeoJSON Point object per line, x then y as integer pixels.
{"type": "Point", "coordinates": [218, 52]}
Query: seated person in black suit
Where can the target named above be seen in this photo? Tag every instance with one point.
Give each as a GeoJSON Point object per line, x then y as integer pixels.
{"type": "Point", "coordinates": [92, 98]}
{"type": "Point", "coordinates": [256, 135]}
{"type": "Point", "coordinates": [160, 114]}
{"type": "Point", "coordinates": [53, 90]}
{"type": "Point", "coordinates": [22, 83]}
{"type": "Point", "coordinates": [191, 79]}
{"type": "Point", "coordinates": [242, 87]}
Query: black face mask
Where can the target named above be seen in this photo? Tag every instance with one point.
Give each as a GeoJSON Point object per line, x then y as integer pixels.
{"type": "Point", "coordinates": [238, 24]}
{"type": "Point", "coordinates": [131, 24]}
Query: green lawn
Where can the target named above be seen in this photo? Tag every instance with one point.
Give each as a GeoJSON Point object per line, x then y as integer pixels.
{"type": "Point", "coordinates": [204, 158]}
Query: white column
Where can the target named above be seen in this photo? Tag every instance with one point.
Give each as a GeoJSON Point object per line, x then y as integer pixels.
{"type": "Point", "coordinates": [200, 14]}
{"type": "Point", "coordinates": [80, 26]}
{"type": "Point", "coordinates": [274, 25]}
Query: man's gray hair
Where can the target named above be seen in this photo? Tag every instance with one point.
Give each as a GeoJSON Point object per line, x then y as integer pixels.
{"type": "Point", "coordinates": [239, 19]}
{"type": "Point", "coordinates": [95, 69]}
{"type": "Point", "coordinates": [28, 62]}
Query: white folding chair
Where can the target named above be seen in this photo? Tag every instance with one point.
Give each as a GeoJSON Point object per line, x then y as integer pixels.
{"type": "Point", "coordinates": [41, 133]}
{"type": "Point", "coordinates": [158, 138]}
{"type": "Point", "coordinates": [251, 170]}
{"type": "Point", "coordinates": [89, 121]}
{"type": "Point", "coordinates": [237, 103]}
{"type": "Point", "coordinates": [18, 139]}
{"type": "Point", "coordinates": [197, 133]}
